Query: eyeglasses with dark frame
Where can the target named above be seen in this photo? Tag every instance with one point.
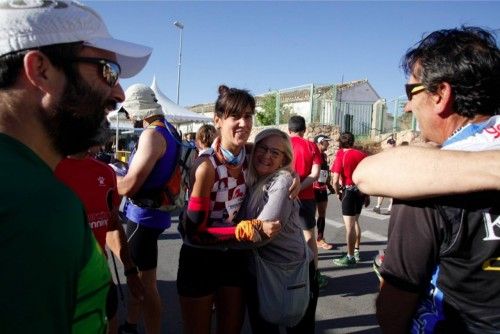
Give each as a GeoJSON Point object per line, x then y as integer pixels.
{"type": "Point", "coordinates": [414, 88]}
{"type": "Point", "coordinates": [263, 149]}
{"type": "Point", "coordinates": [110, 70]}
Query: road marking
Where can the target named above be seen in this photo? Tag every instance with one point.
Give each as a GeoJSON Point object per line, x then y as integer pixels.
{"type": "Point", "coordinates": [334, 223]}
{"type": "Point", "coordinates": [373, 236]}
{"type": "Point", "coordinates": [367, 234]}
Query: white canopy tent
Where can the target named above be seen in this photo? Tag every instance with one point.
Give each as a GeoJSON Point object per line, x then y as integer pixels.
{"type": "Point", "coordinates": [174, 113]}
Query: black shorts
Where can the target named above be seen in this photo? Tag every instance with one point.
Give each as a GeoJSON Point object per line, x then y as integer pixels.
{"type": "Point", "coordinates": [143, 245]}
{"type": "Point", "coordinates": [307, 214]}
{"type": "Point", "coordinates": [112, 301]}
{"type": "Point", "coordinates": [352, 202]}
{"type": "Point", "coordinates": [320, 195]}
{"type": "Point", "coordinates": [203, 271]}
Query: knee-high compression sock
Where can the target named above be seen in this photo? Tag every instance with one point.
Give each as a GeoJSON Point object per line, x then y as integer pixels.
{"type": "Point", "coordinates": [320, 222]}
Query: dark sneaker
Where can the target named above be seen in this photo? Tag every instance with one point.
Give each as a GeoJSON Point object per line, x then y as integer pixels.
{"type": "Point", "coordinates": [322, 281]}
{"type": "Point", "coordinates": [376, 209]}
{"type": "Point", "coordinates": [344, 261]}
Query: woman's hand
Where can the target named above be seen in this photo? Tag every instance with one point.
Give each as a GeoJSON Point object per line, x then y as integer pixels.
{"type": "Point", "coordinates": [271, 228]}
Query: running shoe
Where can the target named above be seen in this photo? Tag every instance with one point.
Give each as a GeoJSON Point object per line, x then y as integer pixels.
{"type": "Point", "coordinates": [344, 261]}
{"type": "Point", "coordinates": [322, 280]}
{"type": "Point", "coordinates": [323, 244]}
{"type": "Point", "coordinates": [356, 255]}
{"type": "Point", "coordinates": [376, 209]}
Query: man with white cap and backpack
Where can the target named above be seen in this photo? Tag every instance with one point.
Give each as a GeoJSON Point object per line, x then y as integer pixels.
{"type": "Point", "coordinates": [59, 71]}
{"type": "Point", "coordinates": [146, 183]}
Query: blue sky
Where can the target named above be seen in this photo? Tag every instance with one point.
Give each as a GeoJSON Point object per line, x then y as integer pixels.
{"type": "Point", "coordinates": [269, 45]}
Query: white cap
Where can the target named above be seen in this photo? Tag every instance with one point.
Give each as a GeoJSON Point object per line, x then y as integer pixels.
{"type": "Point", "coordinates": [30, 24]}
{"type": "Point", "coordinates": [319, 138]}
{"type": "Point", "coordinates": [141, 103]}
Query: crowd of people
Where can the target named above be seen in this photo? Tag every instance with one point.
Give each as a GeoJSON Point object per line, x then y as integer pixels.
{"type": "Point", "coordinates": [249, 229]}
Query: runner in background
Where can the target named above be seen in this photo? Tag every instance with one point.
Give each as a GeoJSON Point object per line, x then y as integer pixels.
{"type": "Point", "coordinates": [321, 191]}
{"type": "Point", "coordinates": [346, 160]}
{"type": "Point", "coordinates": [95, 185]}
{"type": "Point", "coordinates": [391, 143]}
{"type": "Point", "coordinates": [151, 166]}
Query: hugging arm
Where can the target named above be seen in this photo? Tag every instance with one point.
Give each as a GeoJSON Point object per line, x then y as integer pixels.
{"type": "Point", "coordinates": [418, 172]}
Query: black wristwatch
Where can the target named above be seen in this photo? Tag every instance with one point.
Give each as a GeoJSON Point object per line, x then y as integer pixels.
{"type": "Point", "coordinates": [131, 271]}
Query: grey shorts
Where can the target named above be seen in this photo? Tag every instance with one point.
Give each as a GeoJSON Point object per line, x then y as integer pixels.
{"type": "Point", "coordinates": [307, 214]}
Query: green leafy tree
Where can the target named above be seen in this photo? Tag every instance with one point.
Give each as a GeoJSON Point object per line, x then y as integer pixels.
{"type": "Point", "coordinates": [267, 115]}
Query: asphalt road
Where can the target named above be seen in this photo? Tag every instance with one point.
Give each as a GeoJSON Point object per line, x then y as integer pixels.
{"type": "Point", "coordinates": [346, 305]}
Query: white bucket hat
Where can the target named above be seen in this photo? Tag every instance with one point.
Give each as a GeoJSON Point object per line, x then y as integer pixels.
{"type": "Point", "coordinates": [30, 24]}
{"type": "Point", "coordinates": [141, 103]}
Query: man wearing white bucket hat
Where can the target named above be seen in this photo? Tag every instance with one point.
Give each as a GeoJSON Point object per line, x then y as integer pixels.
{"type": "Point", "coordinates": [151, 165]}
{"type": "Point", "coordinates": [59, 70]}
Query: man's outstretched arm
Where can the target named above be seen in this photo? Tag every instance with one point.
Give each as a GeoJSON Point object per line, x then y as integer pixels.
{"type": "Point", "coordinates": [418, 172]}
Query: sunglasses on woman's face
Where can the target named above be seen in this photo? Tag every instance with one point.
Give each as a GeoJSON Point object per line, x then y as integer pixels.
{"type": "Point", "coordinates": [110, 70]}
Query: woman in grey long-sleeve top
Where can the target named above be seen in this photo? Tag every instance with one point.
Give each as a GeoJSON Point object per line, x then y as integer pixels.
{"type": "Point", "coordinates": [270, 177]}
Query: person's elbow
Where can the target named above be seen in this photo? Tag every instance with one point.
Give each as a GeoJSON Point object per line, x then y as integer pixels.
{"type": "Point", "coordinates": [128, 186]}
{"type": "Point", "coordinates": [315, 172]}
{"type": "Point", "coordinates": [359, 179]}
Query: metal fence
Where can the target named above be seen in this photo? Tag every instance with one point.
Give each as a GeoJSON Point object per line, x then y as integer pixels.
{"type": "Point", "coordinates": [321, 104]}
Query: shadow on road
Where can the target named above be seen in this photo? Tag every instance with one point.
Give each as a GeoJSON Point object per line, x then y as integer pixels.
{"type": "Point", "coordinates": [352, 285]}
{"type": "Point", "coordinates": [336, 325]}
{"type": "Point", "coordinates": [171, 314]}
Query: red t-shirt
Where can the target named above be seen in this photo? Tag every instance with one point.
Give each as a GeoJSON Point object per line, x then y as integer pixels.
{"type": "Point", "coordinates": [305, 155]}
{"type": "Point", "coordinates": [95, 185]}
{"type": "Point", "coordinates": [345, 163]}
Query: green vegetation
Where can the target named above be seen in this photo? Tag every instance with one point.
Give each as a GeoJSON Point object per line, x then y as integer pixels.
{"type": "Point", "coordinates": [267, 116]}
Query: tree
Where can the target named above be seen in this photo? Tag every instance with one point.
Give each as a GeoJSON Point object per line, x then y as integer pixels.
{"type": "Point", "coordinates": [267, 116]}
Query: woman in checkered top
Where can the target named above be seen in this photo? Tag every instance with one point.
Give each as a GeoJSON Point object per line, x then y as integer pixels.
{"type": "Point", "coordinates": [208, 271]}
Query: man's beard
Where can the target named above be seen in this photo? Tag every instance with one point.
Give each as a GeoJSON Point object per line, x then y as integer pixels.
{"type": "Point", "coordinates": [78, 121]}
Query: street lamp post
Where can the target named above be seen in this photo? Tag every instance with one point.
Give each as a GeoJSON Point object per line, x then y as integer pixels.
{"type": "Point", "coordinates": [179, 25]}
{"type": "Point", "coordinates": [117, 134]}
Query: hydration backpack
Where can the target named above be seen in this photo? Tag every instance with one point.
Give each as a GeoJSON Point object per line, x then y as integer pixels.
{"type": "Point", "coordinates": [173, 195]}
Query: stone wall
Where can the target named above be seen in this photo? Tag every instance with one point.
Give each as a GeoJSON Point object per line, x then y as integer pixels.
{"type": "Point", "coordinates": [370, 146]}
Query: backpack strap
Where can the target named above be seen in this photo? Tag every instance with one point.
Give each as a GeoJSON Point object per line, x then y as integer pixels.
{"type": "Point", "coordinates": [173, 133]}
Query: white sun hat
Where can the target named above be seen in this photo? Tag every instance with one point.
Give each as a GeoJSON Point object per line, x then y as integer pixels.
{"type": "Point", "coordinates": [30, 24]}
{"type": "Point", "coordinates": [141, 103]}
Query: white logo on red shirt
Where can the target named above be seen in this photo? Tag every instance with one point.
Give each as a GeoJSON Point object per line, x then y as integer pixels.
{"type": "Point", "coordinates": [100, 181]}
